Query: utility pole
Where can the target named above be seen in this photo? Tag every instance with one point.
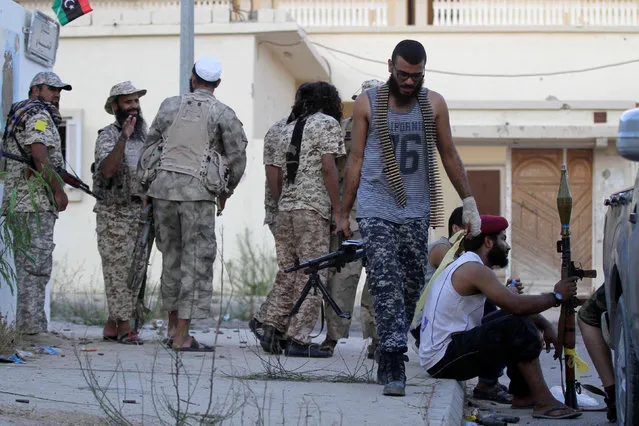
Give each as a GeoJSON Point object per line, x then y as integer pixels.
{"type": "Point", "coordinates": [187, 43]}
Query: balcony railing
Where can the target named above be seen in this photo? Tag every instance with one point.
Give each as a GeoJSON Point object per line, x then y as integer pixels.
{"type": "Point", "coordinates": [369, 13]}
{"type": "Point", "coordinates": [337, 13]}
{"type": "Point", "coordinates": [535, 12]}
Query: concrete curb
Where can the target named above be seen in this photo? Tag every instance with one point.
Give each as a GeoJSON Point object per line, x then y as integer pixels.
{"type": "Point", "coordinates": [446, 405]}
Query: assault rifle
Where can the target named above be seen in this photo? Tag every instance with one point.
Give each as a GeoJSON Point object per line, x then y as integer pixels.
{"type": "Point", "coordinates": [349, 251]}
{"type": "Point", "coordinates": [138, 269]}
{"type": "Point", "coordinates": [66, 177]}
{"type": "Point", "coordinates": [566, 327]}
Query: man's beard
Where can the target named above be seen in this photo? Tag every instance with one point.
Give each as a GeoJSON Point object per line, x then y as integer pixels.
{"type": "Point", "coordinates": [191, 88]}
{"type": "Point", "coordinates": [400, 97]}
{"type": "Point", "coordinates": [140, 125]}
{"type": "Point", "coordinates": [54, 102]}
{"type": "Point", "coordinates": [497, 257]}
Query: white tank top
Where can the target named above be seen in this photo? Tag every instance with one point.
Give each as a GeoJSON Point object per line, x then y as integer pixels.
{"type": "Point", "coordinates": [446, 312]}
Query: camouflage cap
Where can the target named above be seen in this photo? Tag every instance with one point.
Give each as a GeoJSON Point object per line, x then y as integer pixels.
{"type": "Point", "coordinates": [50, 79]}
{"type": "Point", "coordinates": [368, 84]}
{"type": "Point", "coordinates": [120, 89]}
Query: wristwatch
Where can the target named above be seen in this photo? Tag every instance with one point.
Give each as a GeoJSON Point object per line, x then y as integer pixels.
{"type": "Point", "coordinates": [558, 298]}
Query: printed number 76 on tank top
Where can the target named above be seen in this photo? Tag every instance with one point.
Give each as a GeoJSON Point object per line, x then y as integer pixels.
{"type": "Point", "coordinates": [408, 150]}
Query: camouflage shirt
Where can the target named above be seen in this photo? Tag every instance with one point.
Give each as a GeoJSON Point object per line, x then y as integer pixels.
{"type": "Point", "coordinates": [227, 134]}
{"type": "Point", "coordinates": [39, 128]}
{"type": "Point", "coordinates": [322, 135]}
{"type": "Point", "coordinates": [125, 183]}
{"type": "Point", "coordinates": [272, 144]}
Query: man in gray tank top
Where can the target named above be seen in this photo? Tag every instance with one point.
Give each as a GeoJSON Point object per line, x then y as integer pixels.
{"type": "Point", "coordinates": [392, 171]}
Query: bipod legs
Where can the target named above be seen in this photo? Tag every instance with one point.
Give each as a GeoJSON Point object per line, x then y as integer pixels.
{"type": "Point", "coordinates": [314, 282]}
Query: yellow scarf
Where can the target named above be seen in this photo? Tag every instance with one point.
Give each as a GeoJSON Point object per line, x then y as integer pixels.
{"type": "Point", "coordinates": [456, 241]}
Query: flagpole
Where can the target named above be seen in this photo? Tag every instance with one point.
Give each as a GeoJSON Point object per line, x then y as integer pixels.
{"type": "Point", "coordinates": [187, 43]}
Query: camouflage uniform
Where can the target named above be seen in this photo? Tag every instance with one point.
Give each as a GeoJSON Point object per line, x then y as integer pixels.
{"type": "Point", "coordinates": [183, 208]}
{"type": "Point", "coordinates": [411, 241]}
{"type": "Point", "coordinates": [302, 226]}
{"type": "Point", "coordinates": [342, 285]}
{"type": "Point", "coordinates": [34, 209]}
{"type": "Point", "coordinates": [117, 214]}
{"type": "Point", "coordinates": [271, 142]}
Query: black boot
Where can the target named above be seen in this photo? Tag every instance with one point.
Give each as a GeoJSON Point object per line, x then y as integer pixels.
{"type": "Point", "coordinates": [256, 327]}
{"type": "Point", "coordinates": [270, 340]}
{"type": "Point", "coordinates": [382, 363]}
{"type": "Point", "coordinates": [611, 401]}
{"type": "Point", "coordinates": [309, 350]}
{"type": "Point", "coordinates": [396, 373]}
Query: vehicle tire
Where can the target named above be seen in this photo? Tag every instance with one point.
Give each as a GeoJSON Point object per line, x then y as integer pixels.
{"type": "Point", "coordinates": [626, 370]}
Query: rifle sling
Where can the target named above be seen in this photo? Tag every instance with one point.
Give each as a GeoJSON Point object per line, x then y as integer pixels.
{"type": "Point", "coordinates": [293, 153]}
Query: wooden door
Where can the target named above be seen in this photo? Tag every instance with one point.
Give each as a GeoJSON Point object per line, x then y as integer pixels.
{"type": "Point", "coordinates": [535, 220]}
{"type": "Point", "coordinates": [486, 187]}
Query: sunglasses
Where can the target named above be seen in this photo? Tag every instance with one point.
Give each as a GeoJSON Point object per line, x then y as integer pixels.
{"type": "Point", "coordinates": [403, 75]}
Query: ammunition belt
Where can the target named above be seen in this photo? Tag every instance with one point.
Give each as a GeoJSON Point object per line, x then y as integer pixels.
{"type": "Point", "coordinates": [391, 169]}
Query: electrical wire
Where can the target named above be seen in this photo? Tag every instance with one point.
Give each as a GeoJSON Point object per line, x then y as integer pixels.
{"type": "Point", "coordinates": [463, 74]}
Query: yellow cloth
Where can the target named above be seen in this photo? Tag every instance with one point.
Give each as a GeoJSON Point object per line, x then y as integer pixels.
{"type": "Point", "coordinates": [580, 364]}
{"type": "Point", "coordinates": [40, 125]}
{"type": "Point", "coordinates": [455, 240]}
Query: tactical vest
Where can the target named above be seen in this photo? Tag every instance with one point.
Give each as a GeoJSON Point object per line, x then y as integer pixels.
{"type": "Point", "coordinates": [187, 149]}
{"type": "Point", "coordinates": [391, 168]}
{"type": "Point", "coordinates": [121, 187]}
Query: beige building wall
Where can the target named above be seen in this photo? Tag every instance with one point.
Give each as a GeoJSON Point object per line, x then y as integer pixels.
{"type": "Point", "coordinates": [273, 90]}
{"type": "Point", "coordinates": [494, 50]}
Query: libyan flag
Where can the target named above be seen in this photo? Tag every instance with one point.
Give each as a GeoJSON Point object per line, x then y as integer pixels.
{"type": "Point", "coordinates": [68, 10]}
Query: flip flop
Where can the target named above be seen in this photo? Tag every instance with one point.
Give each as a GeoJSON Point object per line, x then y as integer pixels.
{"type": "Point", "coordinates": [546, 414]}
{"type": "Point", "coordinates": [522, 407]}
{"type": "Point", "coordinates": [110, 338]}
{"type": "Point", "coordinates": [195, 346]}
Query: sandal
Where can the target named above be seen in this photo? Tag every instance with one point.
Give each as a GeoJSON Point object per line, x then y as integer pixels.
{"type": "Point", "coordinates": [195, 346]}
{"type": "Point", "coordinates": [110, 338]}
{"type": "Point", "coordinates": [546, 414]}
{"type": "Point", "coordinates": [131, 338]}
{"type": "Point", "coordinates": [495, 394]}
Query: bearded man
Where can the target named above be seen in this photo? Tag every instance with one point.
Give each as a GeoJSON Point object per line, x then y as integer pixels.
{"type": "Point", "coordinates": [117, 150]}
{"type": "Point", "coordinates": [392, 170]}
{"type": "Point", "coordinates": [32, 133]}
{"type": "Point", "coordinates": [458, 342]}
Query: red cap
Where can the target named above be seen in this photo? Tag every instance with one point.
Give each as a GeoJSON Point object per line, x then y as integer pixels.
{"type": "Point", "coordinates": [493, 224]}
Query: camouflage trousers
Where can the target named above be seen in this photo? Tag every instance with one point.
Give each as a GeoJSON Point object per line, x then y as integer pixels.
{"type": "Point", "coordinates": [185, 235]}
{"type": "Point", "coordinates": [300, 235]}
{"type": "Point", "coordinates": [118, 230]}
{"type": "Point", "coordinates": [396, 256]}
{"type": "Point", "coordinates": [33, 271]}
{"type": "Point", "coordinates": [342, 287]}
{"type": "Point", "coordinates": [261, 313]}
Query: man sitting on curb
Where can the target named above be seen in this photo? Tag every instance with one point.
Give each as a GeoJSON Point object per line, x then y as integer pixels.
{"type": "Point", "coordinates": [488, 386]}
{"type": "Point", "coordinates": [455, 344]}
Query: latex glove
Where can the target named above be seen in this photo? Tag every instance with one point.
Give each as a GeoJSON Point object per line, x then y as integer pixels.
{"type": "Point", "coordinates": [470, 216]}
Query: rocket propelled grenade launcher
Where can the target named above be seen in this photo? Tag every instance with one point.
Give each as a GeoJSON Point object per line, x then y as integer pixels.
{"type": "Point", "coordinates": [566, 332]}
